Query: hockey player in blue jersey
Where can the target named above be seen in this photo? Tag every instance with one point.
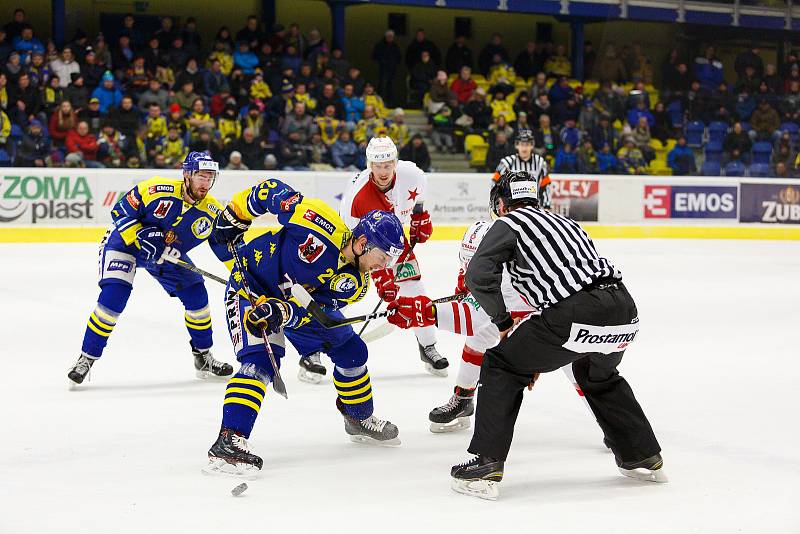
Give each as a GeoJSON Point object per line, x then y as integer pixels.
{"type": "Point", "coordinates": [158, 216]}
{"type": "Point", "coordinates": [314, 248]}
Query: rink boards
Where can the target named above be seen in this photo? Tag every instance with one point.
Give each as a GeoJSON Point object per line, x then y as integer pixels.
{"type": "Point", "coordinates": [73, 205]}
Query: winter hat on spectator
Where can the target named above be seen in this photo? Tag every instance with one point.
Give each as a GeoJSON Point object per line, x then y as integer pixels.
{"type": "Point", "coordinates": [94, 100]}
{"type": "Point", "coordinates": [107, 76]}
{"type": "Point", "coordinates": [287, 87]}
{"type": "Point", "coordinates": [399, 111]}
{"type": "Point", "coordinates": [35, 123]}
{"type": "Point", "coordinates": [236, 155]}
{"type": "Point", "coordinates": [174, 108]}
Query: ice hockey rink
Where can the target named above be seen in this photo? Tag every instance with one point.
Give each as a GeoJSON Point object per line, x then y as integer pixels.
{"type": "Point", "coordinates": [715, 367]}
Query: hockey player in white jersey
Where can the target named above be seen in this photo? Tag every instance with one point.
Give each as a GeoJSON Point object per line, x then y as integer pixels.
{"type": "Point", "coordinates": [397, 186]}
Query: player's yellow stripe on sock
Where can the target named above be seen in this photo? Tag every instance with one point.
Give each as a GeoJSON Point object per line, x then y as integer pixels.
{"type": "Point", "coordinates": [197, 327]}
{"type": "Point", "coordinates": [248, 403]}
{"type": "Point", "coordinates": [97, 330]}
{"type": "Point", "coordinates": [203, 320]}
{"type": "Point", "coordinates": [245, 391]}
{"type": "Point", "coordinates": [250, 382]}
{"type": "Point", "coordinates": [353, 383]}
{"type": "Point", "coordinates": [101, 324]}
{"type": "Point", "coordinates": [356, 401]}
{"type": "Point", "coordinates": [354, 392]}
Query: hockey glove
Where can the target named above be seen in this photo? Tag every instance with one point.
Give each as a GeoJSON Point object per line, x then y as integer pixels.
{"type": "Point", "coordinates": [268, 316]}
{"type": "Point", "coordinates": [151, 243]}
{"type": "Point", "coordinates": [228, 227]}
{"type": "Point", "coordinates": [461, 285]}
{"type": "Point", "coordinates": [421, 227]}
{"type": "Point", "coordinates": [385, 284]}
{"type": "Point", "coordinates": [412, 312]}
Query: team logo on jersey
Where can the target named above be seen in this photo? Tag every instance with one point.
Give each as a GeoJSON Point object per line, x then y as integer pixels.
{"type": "Point", "coordinates": [132, 200]}
{"type": "Point", "coordinates": [412, 195]}
{"type": "Point", "coordinates": [119, 265]}
{"type": "Point", "coordinates": [162, 209]}
{"type": "Point", "coordinates": [201, 228]}
{"type": "Point", "coordinates": [289, 202]}
{"type": "Point", "coordinates": [161, 188]}
{"type": "Point", "coordinates": [170, 237]}
{"type": "Point", "coordinates": [319, 220]}
{"type": "Point", "coordinates": [343, 283]}
{"type": "Point", "coordinates": [311, 249]}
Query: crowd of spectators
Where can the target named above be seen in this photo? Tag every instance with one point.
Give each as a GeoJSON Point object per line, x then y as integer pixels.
{"type": "Point", "coordinates": [285, 99]}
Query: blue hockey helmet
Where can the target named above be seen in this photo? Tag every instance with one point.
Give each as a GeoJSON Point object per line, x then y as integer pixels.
{"type": "Point", "coordinates": [196, 162]}
{"type": "Point", "coordinates": [383, 231]}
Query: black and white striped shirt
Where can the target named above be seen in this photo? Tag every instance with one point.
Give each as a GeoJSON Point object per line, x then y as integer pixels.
{"type": "Point", "coordinates": [537, 167]}
{"type": "Point", "coordinates": [548, 256]}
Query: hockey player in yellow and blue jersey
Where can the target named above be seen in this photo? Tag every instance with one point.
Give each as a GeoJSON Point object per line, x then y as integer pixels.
{"type": "Point", "coordinates": [158, 216]}
{"type": "Point", "coordinates": [314, 248]}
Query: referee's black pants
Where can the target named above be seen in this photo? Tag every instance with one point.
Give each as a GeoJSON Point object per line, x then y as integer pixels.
{"type": "Point", "coordinates": [536, 347]}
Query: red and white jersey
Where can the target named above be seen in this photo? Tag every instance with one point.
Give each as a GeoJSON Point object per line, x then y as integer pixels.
{"type": "Point", "coordinates": [362, 195]}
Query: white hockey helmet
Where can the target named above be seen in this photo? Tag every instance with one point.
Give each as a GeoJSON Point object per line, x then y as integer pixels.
{"type": "Point", "coordinates": [381, 149]}
{"type": "Point", "coordinates": [471, 240]}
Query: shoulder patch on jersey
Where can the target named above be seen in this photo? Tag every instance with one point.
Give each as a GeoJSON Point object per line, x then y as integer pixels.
{"type": "Point", "coordinates": [344, 283]}
{"type": "Point", "coordinates": [132, 200]}
{"type": "Point", "coordinates": [289, 202]}
{"type": "Point", "coordinates": [201, 228]}
{"type": "Point", "coordinates": [162, 209]}
{"type": "Point", "coordinates": [311, 249]}
{"type": "Point", "coordinates": [314, 217]}
{"type": "Point", "coordinates": [161, 188]}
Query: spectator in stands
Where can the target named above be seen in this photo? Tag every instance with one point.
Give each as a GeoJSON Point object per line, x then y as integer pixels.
{"type": "Point", "coordinates": [748, 81]}
{"type": "Point", "coordinates": [784, 154]}
{"type": "Point", "coordinates": [251, 32]}
{"type": "Point", "coordinates": [500, 148]}
{"type": "Point", "coordinates": [126, 118]}
{"type": "Point", "coordinates": [478, 111]}
{"type": "Point", "coordinates": [744, 106]}
{"type": "Point", "coordinates": [387, 55]}
{"type": "Point", "coordinates": [501, 76]}
{"type": "Point", "coordinates": [662, 124]}
{"type": "Point", "coordinates": [502, 106]}
{"type": "Point", "coordinates": [83, 143]}
{"type": "Point", "coordinates": [112, 146]}
{"type": "Point", "coordinates": [640, 111]}
{"type": "Point", "coordinates": [604, 134]}
{"type": "Point", "coordinates": [345, 154]}
{"type": "Point", "coordinates": [610, 67]}
{"type": "Point", "coordinates": [772, 79]}
{"type": "Point", "coordinates": [440, 94]}
{"type": "Point", "coordinates": [419, 45]}
{"type": "Point", "coordinates": [782, 170]}
{"type": "Point", "coordinates": [353, 106]}
{"type": "Point", "coordinates": [235, 162]}
{"type": "Point", "coordinates": [91, 69]}
{"type": "Point", "coordinates": [154, 94]}
{"type": "Point", "coordinates": [737, 144]}
{"type": "Point", "coordinates": [27, 95]}
{"type": "Point", "coordinates": [298, 121]}
{"type": "Point", "coordinates": [319, 154]}
{"type": "Point", "coordinates": [17, 24]}
{"type": "Point", "coordinates": [569, 133]}
{"type": "Point", "coordinates": [463, 86]}
{"type": "Point", "coordinates": [639, 66]}
{"type": "Point", "coordinates": [422, 74]}
{"type": "Point", "coordinates": [442, 131]}
{"type": "Point", "coordinates": [228, 125]}
{"type": "Point", "coordinates": [681, 159]}
{"type": "Point", "coordinates": [327, 98]}
{"type": "Point", "coordinates": [417, 151]}
{"type": "Point", "coordinates": [495, 46]}
{"type": "Point", "coordinates": [641, 138]}
{"type": "Point", "coordinates": [107, 93]}
{"type": "Point", "coordinates": [339, 63]}
{"type": "Point", "coordinates": [398, 129]}
{"type": "Point", "coordinates": [608, 100]}
{"type": "Point", "coordinates": [546, 139]}
{"type": "Point", "coordinates": [34, 148]}
{"type": "Point", "coordinates": [368, 127]}
{"type": "Point", "coordinates": [249, 146]}
{"type": "Point", "coordinates": [62, 121]}
{"type": "Point", "coordinates": [166, 33]}
{"type": "Point", "coordinates": [173, 147]}
{"type": "Point", "coordinates": [207, 142]}
{"type": "Point", "coordinates": [371, 98]}
{"type": "Point", "coordinates": [790, 103]}
{"type": "Point", "coordinates": [607, 163]}
{"type": "Point", "coordinates": [528, 62]}
{"type": "Point", "coordinates": [631, 158]}
{"type": "Point", "coordinates": [26, 44]}
{"type": "Point", "coordinates": [588, 116]}
{"type": "Point", "coordinates": [566, 160]}
{"type": "Point", "coordinates": [358, 82]}
{"type": "Point", "coordinates": [500, 125]}
{"type": "Point", "coordinates": [245, 59]}
{"type": "Point", "coordinates": [541, 106]}
{"type": "Point", "coordinates": [122, 55]}
{"type": "Point", "coordinates": [539, 86]}
{"type": "Point", "coordinates": [328, 125]}
{"type": "Point", "coordinates": [13, 68]}
{"type": "Point", "coordinates": [708, 69]}
{"type": "Point", "coordinates": [587, 158]}
{"type": "Point", "coordinates": [192, 39]}
{"type": "Point", "coordinates": [294, 153]}
{"type": "Point", "coordinates": [558, 64]}
{"type": "Point", "coordinates": [765, 122]}
{"type": "Point", "coordinates": [458, 56]}
{"type": "Point", "coordinates": [199, 120]}
{"type": "Point", "coordinates": [91, 114]}
{"type": "Point", "coordinates": [566, 111]}
{"type": "Point", "coordinates": [186, 97]}
{"type": "Point", "coordinates": [589, 59]}
{"type": "Point", "coordinates": [65, 66]}
{"type": "Point", "coordinates": [749, 58]}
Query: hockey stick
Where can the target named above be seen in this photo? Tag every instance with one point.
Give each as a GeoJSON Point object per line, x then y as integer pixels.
{"type": "Point", "coordinates": [194, 269]}
{"type": "Point", "coordinates": [277, 382]}
{"type": "Point", "coordinates": [380, 302]}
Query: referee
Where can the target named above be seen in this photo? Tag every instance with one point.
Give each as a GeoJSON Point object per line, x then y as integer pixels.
{"type": "Point", "coordinates": [588, 318]}
{"type": "Point", "coordinates": [527, 160]}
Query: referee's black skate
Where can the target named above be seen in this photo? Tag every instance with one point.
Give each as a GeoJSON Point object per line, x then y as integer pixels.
{"type": "Point", "coordinates": [478, 477]}
{"type": "Point", "coordinates": [371, 430]}
{"type": "Point", "coordinates": [205, 364]}
{"type": "Point", "coordinates": [311, 369]}
{"type": "Point", "coordinates": [649, 469]}
{"type": "Point", "coordinates": [435, 363]}
{"type": "Point", "coordinates": [454, 415]}
{"type": "Point", "coordinates": [230, 455]}
{"type": "Point", "coordinates": [81, 370]}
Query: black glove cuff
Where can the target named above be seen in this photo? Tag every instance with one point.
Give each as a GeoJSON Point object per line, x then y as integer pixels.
{"type": "Point", "coordinates": [505, 322]}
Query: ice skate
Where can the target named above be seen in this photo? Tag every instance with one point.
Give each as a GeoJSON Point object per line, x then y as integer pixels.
{"type": "Point", "coordinates": [648, 470]}
{"type": "Point", "coordinates": [435, 363]}
{"type": "Point", "coordinates": [230, 455]}
{"type": "Point", "coordinates": [205, 365]}
{"type": "Point", "coordinates": [479, 477]}
{"type": "Point", "coordinates": [371, 430]}
{"type": "Point", "coordinates": [454, 415]}
{"type": "Point", "coordinates": [311, 369]}
{"type": "Point", "coordinates": [80, 371]}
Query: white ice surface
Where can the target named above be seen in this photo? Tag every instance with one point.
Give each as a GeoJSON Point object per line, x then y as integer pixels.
{"type": "Point", "coordinates": [716, 368]}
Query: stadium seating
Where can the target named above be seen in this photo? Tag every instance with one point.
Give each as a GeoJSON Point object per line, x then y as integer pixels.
{"type": "Point", "coordinates": [694, 134]}
{"type": "Point", "coordinates": [762, 152]}
{"type": "Point", "coordinates": [759, 170]}
{"type": "Point", "coordinates": [714, 151]}
{"type": "Point", "coordinates": [710, 168]}
{"type": "Point", "coordinates": [717, 132]}
{"type": "Point", "coordinates": [734, 168]}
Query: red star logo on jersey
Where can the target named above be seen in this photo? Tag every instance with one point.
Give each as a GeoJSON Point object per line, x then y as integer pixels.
{"type": "Point", "coordinates": [412, 195]}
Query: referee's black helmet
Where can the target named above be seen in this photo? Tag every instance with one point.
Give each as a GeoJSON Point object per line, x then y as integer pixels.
{"type": "Point", "coordinates": [514, 187]}
{"type": "Point", "coordinates": [524, 136]}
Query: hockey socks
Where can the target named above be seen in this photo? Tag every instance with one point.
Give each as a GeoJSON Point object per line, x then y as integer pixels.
{"type": "Point", "coordinates": [354, 390]}
{"type": "Point", "coordinates": [470, 369]}
{"type": "Point", "coordinates": [198, 324]}
{"type": "Point", "coordinates": [243, 398]}
{"type": "Point", "coordinates": [112, 300]}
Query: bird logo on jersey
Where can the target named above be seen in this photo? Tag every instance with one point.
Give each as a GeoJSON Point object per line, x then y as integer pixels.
{"type": "Point", "coordinates": [311, 249]}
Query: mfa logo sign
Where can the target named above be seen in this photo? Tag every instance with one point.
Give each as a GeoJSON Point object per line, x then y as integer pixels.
{"type": "Point", "coordinates": [690, 202]}
{"type": "Point", "coordinates": [771, 203]}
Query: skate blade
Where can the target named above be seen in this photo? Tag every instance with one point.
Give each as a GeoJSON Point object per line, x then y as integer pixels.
{"type": "Point", "coordinates": [73, 386]}
{"type": "Point", "coordinates": [219, 467]}
{"type": "Point", "coordinates": [645, 475]}
{"type": "Point", "coordinates": [309, 378]}
{"type": "Point", "coordinates": [434, 371]}
{"type": "Point", "coordinates": [461, 423]}
{"type": "Point", "coordinates": [366, 440]}
{"type": "Point", "coordinates": [205, 375]}
{"type": "Point", "coordinates": [483, 489]}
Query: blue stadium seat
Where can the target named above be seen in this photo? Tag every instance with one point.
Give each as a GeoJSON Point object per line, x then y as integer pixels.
{"type": "Point", "coordinates": [734, 168]}
{"type": "Point", "coordinates": [675, 110]}
{"type": "Point", "coordinates": [5, 158]}
{"type": "Point", "coordinates": [714, 151]}
{"type": "Point", "coordinates": [717, 131]}
{"type": "Point", "coordinates": [762, 151]}
{"type": "Point", "coordinates": [746, 126]}
{"type": "Point", "coordinates": [16, 132]}
{"type": "Point", "coordinates": [792, 128]}
{"type": "Point", "coordinates": [710, 168]}
{"type": "Point", "coordinates": [694, 134]}
{"type": "Point", "coordinates": [759, 170]}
